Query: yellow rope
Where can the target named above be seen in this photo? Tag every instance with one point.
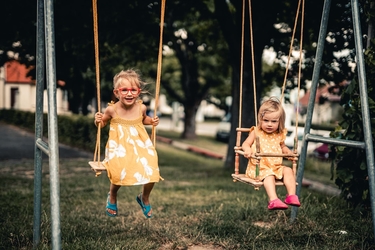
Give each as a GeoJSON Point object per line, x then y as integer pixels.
{"type": "Point", "coordinates": [160, 56]}
{"type": "Point", "coordinates": [300, 62]}
{"type": "Point", "coordinates": [288, 62]}
{"type": "Point", "coordinates": [253, 65]}
{"type": "Point", "coordinates": [241, 64]}
{"type": "Point", "coordinates": [96, 46]}
{"type": "Point", "coordinates": [300, 59]}
{"type": "Point", "coordinates": [290, 50]}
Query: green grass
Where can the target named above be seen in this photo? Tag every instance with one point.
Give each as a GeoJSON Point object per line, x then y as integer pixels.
{"type": "Point", "coordinates": [319, 170]}
{"type": "Point", "coordinates": [197, 205]}
{"type": "Point", "coordinates": [206, 142]}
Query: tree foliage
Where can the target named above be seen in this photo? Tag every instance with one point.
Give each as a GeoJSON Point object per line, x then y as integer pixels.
{"type": "Point", "coordinates": [121, 43]}
{"type": "Point", "coordinates": [351, 169]}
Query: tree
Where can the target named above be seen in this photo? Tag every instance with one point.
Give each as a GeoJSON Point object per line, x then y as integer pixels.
{"type": "Point", "coordinates": [264, 15]}
{"type": "Point", "coordinates": [272, 27]}
{"type": "Point", "coordinates": [351, 166]}
{"type": "Point", "coordinates": [197, 43]}
{"type": "Point", "coordinates": [122, 44]}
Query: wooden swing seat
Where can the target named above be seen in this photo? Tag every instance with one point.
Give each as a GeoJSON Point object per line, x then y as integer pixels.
{"type": "Point", "coordinates": [97, 166]}
{"type": "Point", "coordinates": [247, 180]}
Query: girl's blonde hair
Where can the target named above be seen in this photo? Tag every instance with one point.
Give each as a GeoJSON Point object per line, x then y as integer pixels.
{"type": "Point", "coordinates": [130, 75]}
{"type": "Point", "coordinates": [269, 106]}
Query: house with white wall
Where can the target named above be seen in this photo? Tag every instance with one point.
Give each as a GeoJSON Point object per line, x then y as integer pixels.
{"type": "Point", "coordinates": [18, 91]}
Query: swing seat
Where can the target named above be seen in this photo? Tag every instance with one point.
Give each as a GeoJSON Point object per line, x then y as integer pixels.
{"type": "Point", "coordinates": [253, 182]}
{"type": "Point", "coordinates": [256, 183]}
{"type": "Point", "coordinates": [97, 166]}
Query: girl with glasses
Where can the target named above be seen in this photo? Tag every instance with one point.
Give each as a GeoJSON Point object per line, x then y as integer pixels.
{"type": "Point", "coordinates": [130, 156]}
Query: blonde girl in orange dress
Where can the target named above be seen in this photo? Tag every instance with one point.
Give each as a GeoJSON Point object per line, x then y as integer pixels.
{"type": "Point", "coordinates": [272, 133]}
{"type": "Point", "coordinates": [130, 157]}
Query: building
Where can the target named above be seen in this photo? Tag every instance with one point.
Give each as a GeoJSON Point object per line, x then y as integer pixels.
{"type": "Point", "coordinates": [18, 90]}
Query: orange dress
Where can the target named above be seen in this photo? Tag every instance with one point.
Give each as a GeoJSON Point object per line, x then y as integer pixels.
{"type": "Point", "coordinates": [130, 156]}
{"type": "Point", "coordinates": [269, 143]}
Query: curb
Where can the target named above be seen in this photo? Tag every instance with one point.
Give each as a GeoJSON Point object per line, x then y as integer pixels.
{"type": "Point", "coordinates": [190, 148]}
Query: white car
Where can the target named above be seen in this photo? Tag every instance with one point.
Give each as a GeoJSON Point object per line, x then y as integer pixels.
{"type": "Point", "coordinates": [291, 134]}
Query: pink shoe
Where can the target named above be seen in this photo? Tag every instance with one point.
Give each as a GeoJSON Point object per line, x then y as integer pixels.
{"type": "Point", "coordinates": [292, 200]}
{"type": "Point", "coordinates": [277, 204]}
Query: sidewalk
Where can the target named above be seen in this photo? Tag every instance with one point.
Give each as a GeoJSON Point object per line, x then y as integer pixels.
{"type": "Point", "coordinates": [202, 128]}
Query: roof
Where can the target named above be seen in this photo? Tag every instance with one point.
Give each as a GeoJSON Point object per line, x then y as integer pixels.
{"type": "Point", "coordinates": [319, 92]}
{"type": "Point", "coordinates": [16, 72]}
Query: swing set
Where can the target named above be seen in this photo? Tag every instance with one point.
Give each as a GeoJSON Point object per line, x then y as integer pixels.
{"type": "Point", "coordinates": [46, 57]}
{"type": "Point", "coordinates": [254, 180]}
{"type": "Point", "coordinates": [96, 165]}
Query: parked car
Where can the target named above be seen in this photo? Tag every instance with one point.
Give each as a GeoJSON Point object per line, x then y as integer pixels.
{"type": "Point", "coordinates": [322, 152]}
{"type": "Point", "coordinates": [223, 129]}
{"type": "Point", "coordinates": [291, 134]}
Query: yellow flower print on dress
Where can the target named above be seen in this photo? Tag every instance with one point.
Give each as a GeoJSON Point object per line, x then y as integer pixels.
{"type": "Point", "coordinates": [133, 131]}
{"type": "Point", "coordinates": [123, 174]}
{"type": "Point", "coordinates": [147, 167]}
{"type": "Point", "coordinates": [141, 179]}
{"type": "Point", "coordinates": [147, 145]}
{"type": "Point", "coordinates": [121, 132]}
{"type": "Point", "coordinates": [115, 150]}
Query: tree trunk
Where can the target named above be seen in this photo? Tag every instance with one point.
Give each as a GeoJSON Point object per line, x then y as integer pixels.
{"type": "Point", "coordinates": [261, 22]}
{"type": "Point", "coordinates": [189, 123]}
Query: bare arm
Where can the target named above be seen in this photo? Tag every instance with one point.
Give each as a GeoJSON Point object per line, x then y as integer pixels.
{"type": "Point", "coordinates": [285, 149]}
{"type": "Point", "coordinates": [103, 118]}
{"type": "Point", "coordinates": [147, 120]}
{"type": "Point", "coordinates": [246, 145]}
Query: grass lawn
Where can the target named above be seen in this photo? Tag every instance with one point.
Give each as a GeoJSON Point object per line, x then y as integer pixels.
{"type": "Point", "coordinates": [196, 207]}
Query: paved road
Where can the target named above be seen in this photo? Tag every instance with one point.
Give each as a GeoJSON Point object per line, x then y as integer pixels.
{"type": "Point", "coordinates": [19, 144]}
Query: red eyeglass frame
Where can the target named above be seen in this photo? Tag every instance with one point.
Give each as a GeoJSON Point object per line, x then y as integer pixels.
{"type": "Point", "coordinates": [120, 90]}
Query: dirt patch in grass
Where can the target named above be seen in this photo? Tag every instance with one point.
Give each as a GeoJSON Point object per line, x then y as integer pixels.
{"type": "Point", "coordinates": [193, 247]}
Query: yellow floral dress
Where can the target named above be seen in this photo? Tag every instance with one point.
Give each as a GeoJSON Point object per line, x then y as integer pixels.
{"type": "Point", "coordinates": [130, 156]}
{"type": "Point", "coordinates": [269, 143]}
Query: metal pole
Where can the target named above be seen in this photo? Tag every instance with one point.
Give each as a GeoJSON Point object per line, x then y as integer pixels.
{"type": "Point", "coordinates": [314, 86]}
{"type": "Point", "coordinates": [52, 125]}
{"type": "Point", "coordinates": [40, 64]}
{"type": "Point", "coordinates": [364, 105]}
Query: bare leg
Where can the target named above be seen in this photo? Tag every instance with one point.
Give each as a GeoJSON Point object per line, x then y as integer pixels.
{"type": "Point", "coordinates": [270, 187]}
{"type": "Point", "coordinates": [289, 181]}
{"type": "Point", "coordinates": [290, 185]}
{"type": "Point", "coordinates": [147, 188]}
{"type": "Point", "coordinates": [113, 196]}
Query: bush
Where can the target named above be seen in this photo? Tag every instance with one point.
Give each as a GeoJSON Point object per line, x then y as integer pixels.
{"type": "Point", "coordinates": [351, 169]}
{"type": "Point", "coordinates": [74, 130]}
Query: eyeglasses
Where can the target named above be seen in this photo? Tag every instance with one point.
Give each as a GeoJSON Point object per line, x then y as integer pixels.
{"type": "Point", "coordinates": [125, 91]}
